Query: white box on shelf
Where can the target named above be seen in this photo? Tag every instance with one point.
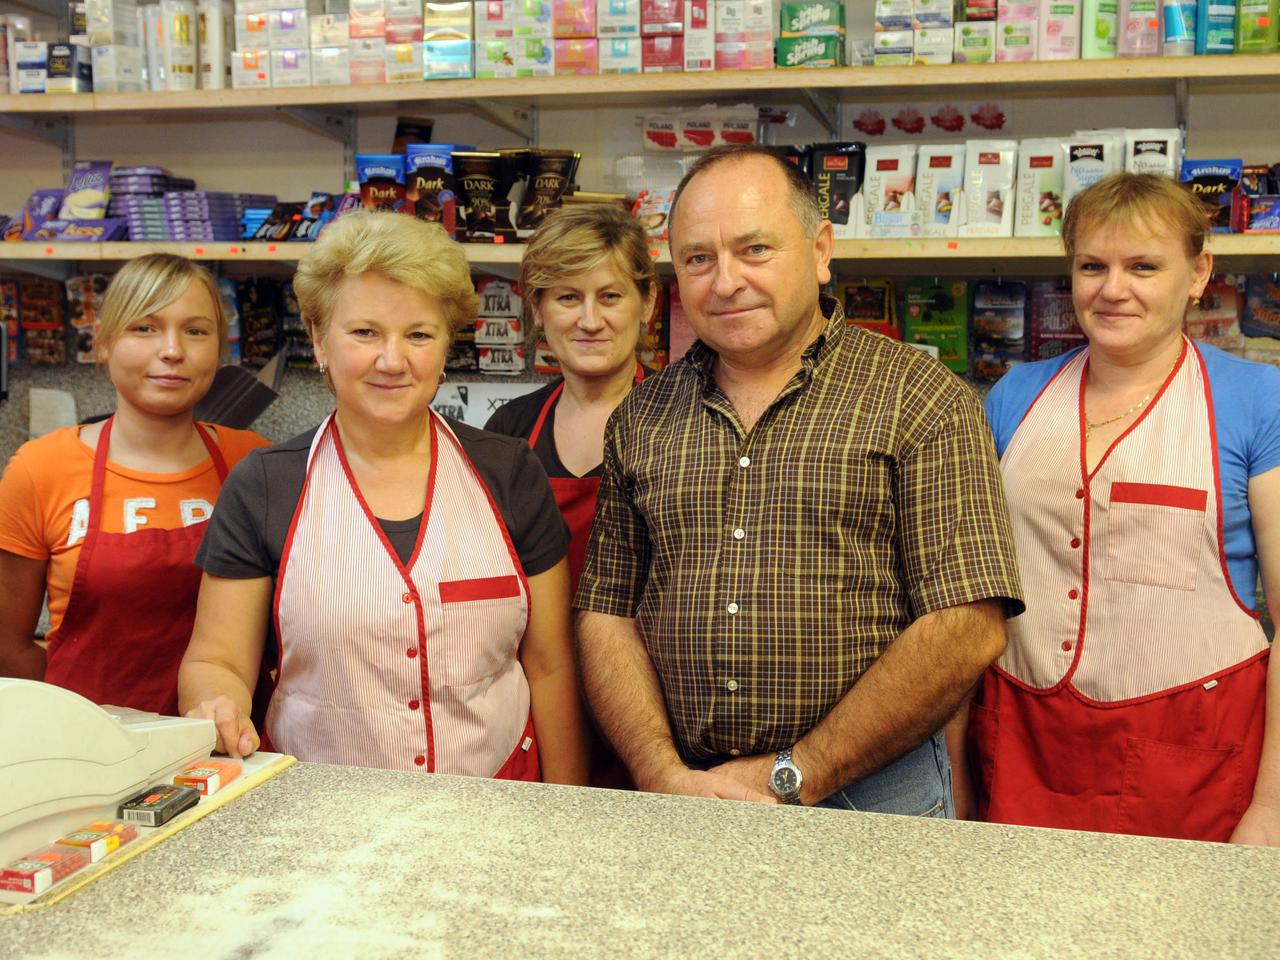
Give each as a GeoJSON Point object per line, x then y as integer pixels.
{"type": "Point", "coordinates": [620, 55]}
{"type": "Point", "coordinates": [894, 48]}
{"type": "Point", "coordinates": [934, 45]}
{"type": "Point", "coordinates": [291, 68]}
{"type": "Point", "coordinates": [213, 44]}
{"type": "Point", "coordinates": [178, 43]}
{"type": "Point", "coordinates": [252, 30]}
{"type": "Point", "coordinates": [368, 60]}
{"type": "Point", "coordinates": [618, 18]}
{"type": "Point", "coordinates": [112, 22]}
{"type": "Point", "coordinates": [1016, 41]}
{"type": "Point", "coordinates": [404, 62]}
{"type": "Point", "coordinates": [251, 69]}
{"type": "Point", "coordinates": [330, 66]}
{"type": "Point", "coordinates": [288, 29]}
{"type": "Point", "coordinates": [447, 59]}
{"type": "Point", "coordinates": [448, 21]}
{"type": "Point", "coordinates": [894, 15]}
{"type": "Point", "coordinates": [117, 68]}
{"type": "Point", "coordinates": [699, 35]}
{"type": "Point", "coordinates": [744, 21]}
{"type": "Point", "coordinates": [975, 41]}
{"type": "Point", "coordinates": [330, 30]}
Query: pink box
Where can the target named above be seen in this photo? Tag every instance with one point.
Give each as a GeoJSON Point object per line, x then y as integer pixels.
{"type": "Point", "coordinates": [367, 18]}
{"type": "Point", "coordinates": [404, 31]}
{"type": "Point", "coordinates": [576, 55]}
{"type": "Point", "coordinates": [661, 16]}
{"type": "Point", "coordinates": [744, 56]}
{"type": "Point", "coordinates": [574, 18]}
{"type": "Point", "coordinates": [663, 54]}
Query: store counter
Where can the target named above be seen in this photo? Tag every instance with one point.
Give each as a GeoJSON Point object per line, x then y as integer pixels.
{"type": "Point", "coordinates": [334, 861]}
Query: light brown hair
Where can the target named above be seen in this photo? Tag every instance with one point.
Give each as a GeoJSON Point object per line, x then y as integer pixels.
{"type": "Point", "coordinates": [1129, 199]}
{"type": "Point", "coordinates": [147, 285]}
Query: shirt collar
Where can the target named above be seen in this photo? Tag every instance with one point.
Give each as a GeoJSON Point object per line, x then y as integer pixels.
{"type": "Point", "coordinates": [702, 357]}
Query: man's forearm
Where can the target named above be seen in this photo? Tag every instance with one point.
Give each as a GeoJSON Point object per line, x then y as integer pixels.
{"type": "Point", "coordinates": [625, 696]}
{"type": "Point", "coordinates": [904, 697]}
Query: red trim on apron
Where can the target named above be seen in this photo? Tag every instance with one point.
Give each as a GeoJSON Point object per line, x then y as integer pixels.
{"type": "Point", "coordinates": [132, 606]}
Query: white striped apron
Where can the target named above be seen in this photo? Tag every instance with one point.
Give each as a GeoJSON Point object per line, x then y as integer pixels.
{"type": "Point", "coordinates": [401, 666]}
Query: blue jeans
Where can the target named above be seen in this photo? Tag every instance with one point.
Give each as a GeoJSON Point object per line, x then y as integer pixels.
{"type": "Point", "coordinates": [917, 784]}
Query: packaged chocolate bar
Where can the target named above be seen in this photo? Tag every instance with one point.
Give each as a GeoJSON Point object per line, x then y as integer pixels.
{"type": "Point", "coordinates": [317, 212]}
{"type": "Point", "coordinates": [1053, 329]}
{"type": "Point", "coordinates": [1216, 184]}
{"type": "Point", "coordinates": [381, 177]}
{"type": "Point", "coordinates": [40, 206]}
{"type": "Point", "coordinates": [81, 231]}
{"type": "Point", "coordinates": [550, 174]}
{"type": "Point", "coordinates": [431, 192]}
{"type": "Point", "coordinates": [836, 170]}
{"type": "Point", "coordinates": [477, 176]}
{"type": "Point", "coordinates": [87, 191]}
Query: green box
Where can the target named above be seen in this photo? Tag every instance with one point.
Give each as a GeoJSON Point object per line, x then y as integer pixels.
{"type": "Point", "coordinates": [938, 314]}
{"type": "Point", "coordinates": [814, 18]}
{"type": "Point", "coordinates": [815, 51]}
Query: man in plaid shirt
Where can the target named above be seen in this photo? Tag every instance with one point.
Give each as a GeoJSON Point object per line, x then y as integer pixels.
{"type": "Point", "coordinates": [801, 560]}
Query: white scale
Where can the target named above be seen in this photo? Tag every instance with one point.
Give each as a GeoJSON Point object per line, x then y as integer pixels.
{"type": "Point", "coordinates": [65, 761]}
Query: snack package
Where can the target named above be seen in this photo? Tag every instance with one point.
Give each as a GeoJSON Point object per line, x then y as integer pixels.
{"type": "Point", "coordinates": [37, 872]}
{"type": "Point", "coordinates": [1153, 151]}
{"type": "Point", "coordinates": [1217, 185]}
{"type": "Point", "coordinates": [1053, 329]}
{"type": "Point", "coordinates": [939, 180]}
{"type": "Point", "coordinates": [888, 190]}
{"type": "Point", "coordinates": [870, 304]}
{"type": "Point", "coordinates": [1216, 318]}
{"type": "Point", "coordinates": [653, 209]}
{"type": "Point", "coordinates": [503, 361]}
{"type": "Point", "coordinates": [999, 327]}
{"type": "Point", "coordinates": [84, 302]}
{"type": "Point", "coordinates": [382, 180]}
{"type": "Point", "coordinates": [1261, 306]}
{"type": "Point", "coordinates": [937, 315]}
{"type": "Point", "coordinates": [550, 174]}
{"type": "Point", "coordinates": [1090, 157]}
{"type": "Point", "coordinates": [1039, 208]}
{"type": "Point", "coordinates": [989, 167]}
{"type": "Point", "coordinates": [430, 189]}
{"type": "Point", "coordinates": [499, 298]}
{"type": "Point", "coordinates": [837, 171]}
{"type": "Point", "coordinates": [483, 180]}
{"type": "Point", "coordinates": [87, 191]}
{"type": "Point", "coordinates": [40, 206]}
{"type": "Point", "coordinates": [318, 212]}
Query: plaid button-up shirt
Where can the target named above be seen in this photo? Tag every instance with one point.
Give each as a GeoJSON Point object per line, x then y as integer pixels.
{"type": "Point", "coordinates": [767, 570]}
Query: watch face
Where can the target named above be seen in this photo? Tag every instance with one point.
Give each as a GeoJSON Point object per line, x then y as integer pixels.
{"type": "Point", "coordinates": [785, 780]}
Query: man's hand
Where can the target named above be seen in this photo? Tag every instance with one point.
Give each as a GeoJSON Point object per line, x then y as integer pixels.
{"type": "Point", "coordinates": [1260, 826]}
{"type": "Point", "coordinates": [749, 773]}
{"type": "Point", "coordinates": [715, 783]}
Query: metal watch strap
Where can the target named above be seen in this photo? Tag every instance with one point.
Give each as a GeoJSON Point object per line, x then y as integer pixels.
{"type": "Point", "coordinates": [784, 756]}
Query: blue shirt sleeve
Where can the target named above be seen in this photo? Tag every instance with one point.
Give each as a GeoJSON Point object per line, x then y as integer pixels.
{"type": "Point", "coordinates": [1011, 398]}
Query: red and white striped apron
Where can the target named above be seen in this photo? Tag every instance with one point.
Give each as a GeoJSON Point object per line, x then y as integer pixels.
{"type": "Point", "coordinates": [402, 666]}
{"type": "Point", "coordinates": [1131, 697]}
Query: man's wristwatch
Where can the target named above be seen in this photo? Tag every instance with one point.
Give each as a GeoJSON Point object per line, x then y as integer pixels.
{"type": "Point", "coordinates": [786, 779]}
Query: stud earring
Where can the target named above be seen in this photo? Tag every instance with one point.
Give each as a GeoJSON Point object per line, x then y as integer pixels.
{"type": "Point", "coordinates": [321, 367]}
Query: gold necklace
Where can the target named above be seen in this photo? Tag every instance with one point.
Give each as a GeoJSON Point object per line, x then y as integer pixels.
{"type": "Point", "coordinates": [1090, 426]}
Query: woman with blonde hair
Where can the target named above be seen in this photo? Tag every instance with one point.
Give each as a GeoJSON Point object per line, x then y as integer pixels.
{"type": "Point", "coordinates": [105, 519]}
{"type": "Point", "coordinates": [412, 568]}
{"type": "Point", "coordinates": [1143, 477]}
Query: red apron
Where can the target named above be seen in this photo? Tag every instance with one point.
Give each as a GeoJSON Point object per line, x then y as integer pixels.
{"type": "Point", "coordinates": [576, 498]}
{"type": "Point", "coordinates": [405, 666]}
{"type": "Point", "coordinates": [1131, 696]}
{"type": "Point", "coordinates": [132, 606]}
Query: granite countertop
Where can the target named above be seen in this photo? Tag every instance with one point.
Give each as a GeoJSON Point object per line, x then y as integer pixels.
{"type": "Point", "coordinates": [338, 861]}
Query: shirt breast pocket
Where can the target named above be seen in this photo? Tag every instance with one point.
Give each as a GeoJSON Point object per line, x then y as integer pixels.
{"type": "Point", "coordinates": [1155, 533]}
{"type": "Point", "coordinates": [484, 620]}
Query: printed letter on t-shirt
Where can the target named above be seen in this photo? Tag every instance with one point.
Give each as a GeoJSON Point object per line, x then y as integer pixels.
{"type": "Point", "coordinates": [196, 511]}
{"type": "Point", "coordinates": [79, 522]}
{"type": "Point", "coordinates": [132, 516]}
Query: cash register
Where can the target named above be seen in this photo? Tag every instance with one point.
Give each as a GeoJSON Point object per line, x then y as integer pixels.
{"type": "Point", "coordinates": [65, 761]}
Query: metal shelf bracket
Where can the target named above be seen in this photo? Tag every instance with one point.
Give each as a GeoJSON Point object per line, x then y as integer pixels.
{"type": "Point", "coordinates": [824, 107]}
{"type": "Point", "coordinates": [1181, 103]}
{"type": "Point", "coordinates": [335, 124]}
{"type": "Point", "coordinates": [54, 130]}
{"type": "Point", "coordinates": [520, 118]}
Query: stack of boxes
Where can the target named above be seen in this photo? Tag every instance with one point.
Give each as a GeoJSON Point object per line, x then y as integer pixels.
{"type": "Point", "coordinates": [975, 38]}
{"type": "Point", "coordinates": [933, 24]}
{"type": "Point", "coordinates": [744, 35]}
{"type": "Point", "coordinates": [514, 39]}
{"type": "Point", "coordinates": [894, 44]}
{"type": "Point", "coordinates": [662, 36]}
{"type": "Point", "coordinates": [812, 34]}
{"type": "Point", "coordinates": [115, 37]}
{"type": "Point", "coordinates": [1017, 30]}
{"type": "Point", "coordinates": [618, 30]}
{"type": "Point", "coordinates": [447, 36]}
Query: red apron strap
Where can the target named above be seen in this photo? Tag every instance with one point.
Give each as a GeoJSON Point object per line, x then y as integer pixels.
{"type": "Point", "coordinates": [215, 454]}
{"type": "Point", "coordinates": [542, 415]}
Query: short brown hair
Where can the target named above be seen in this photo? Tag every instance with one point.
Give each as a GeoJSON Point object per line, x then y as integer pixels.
{"type": "Point", "coordinates": [803, 203]}
{"type": "Point", "coordinates": [578, 238]}
{"type": "Point", "coordinates": [402, 248]}
{"type": "Point", "coordinates": [147, 285]}
{"type": "Point", "coordinates": [1125, 199]}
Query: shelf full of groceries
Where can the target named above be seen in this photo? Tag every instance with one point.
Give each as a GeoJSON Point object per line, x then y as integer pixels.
{"type": "Point", "coordinates": [183, 45]}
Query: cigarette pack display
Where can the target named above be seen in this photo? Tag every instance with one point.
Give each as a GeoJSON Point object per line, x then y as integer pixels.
{"type": "Point", "coordinates": [446, 59]}
{"type": "Point", "coordinates": [576, 56]}
{"type": "Point", "coordinates": [699, 35]}
{"type": "Point", "coordinates": [1039, 208]}
{"type": "Point", "coordinates": [251, 68]}
{"type": "Point", "coordinates": [573, 19]}
{"type": "Point", "coordinates": [662, 54]}
{"type": "Point", "coordinates": [812, 18]}
{"type": "Point", "coordinates": [37, 872]}
{"type": "Point", "coordinates": [208, 776]}
{"type": "Point", "coordinates": [448, 21]}
{"type": "Point", "coordinates": [618, 18]}
{"type": "Point", "coordinates": [156, 806]}
{"type": "Point", "coordinates": [661, 16]}
{"type": "Point", "coordinates": [1053, 328]}
{"type": "Point", "coordinates": [937, 314]}
{"type": "Point", "coordinates": [620, 55]}
{"type": "Point", "coordinates": [329, 30]}
{"type": "Point", "coordinates": [100, 838]}
{"type": "Point", "coordinates": [939, 179]}
{"type": "Point", "coordinates": [975, 42]}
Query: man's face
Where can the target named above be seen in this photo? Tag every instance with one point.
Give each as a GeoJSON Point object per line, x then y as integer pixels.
{"type": "Point", "coordinates": [748, 276]}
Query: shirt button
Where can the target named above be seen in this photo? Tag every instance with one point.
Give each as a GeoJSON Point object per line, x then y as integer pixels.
{"type": "Point", "coordinates": [1066, 644]}
{"type": "Point", "coordinates": [731, 686]}
{"type": "Point", "coordinates": [407, 598]}
{"type": "Point", "coordinates": [739, 534]}
{"type": "Point", "coordinates": [732, 608]}
{"type": "Point", "coordinates": [414, 704]}
{"type": "Point", "coordinates": [1073, 594]}
{"type": "Point", "coordinates": [744, 461]}
{"type": "Point", "coordinates": [735, 752]}
{"type": "Point", "coordinates": [1075, 543]}
{"type": "Point", "coordinates": [411, 652]}
{"type": "Point", "coordinates": [1079, 494]}
{"type": "Point", "coordinates": [420, 760]}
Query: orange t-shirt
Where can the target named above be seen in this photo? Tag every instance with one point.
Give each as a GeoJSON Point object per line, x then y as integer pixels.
{"type": "Point", "coordinates": [44, 500]}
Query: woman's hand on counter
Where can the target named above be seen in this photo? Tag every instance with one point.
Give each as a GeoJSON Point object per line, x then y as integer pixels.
{"type": "Point", "coordinates": [237, 737]}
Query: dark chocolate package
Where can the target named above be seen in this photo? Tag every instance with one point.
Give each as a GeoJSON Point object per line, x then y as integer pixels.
{"type": "Point", "coordinates": [1216, 184]}
{"type": "Point", "coordinates": [431, 191]}
{"type": "Point", "coordinates": [381, 177]}
{"type": "Point", "coordinates": [550, 174]}
{"type": "Point", "coordinates": [317, 212]}
{"type": "Point", "coordinates": [281, 222]}
{"type": "Point", "coordinates": [836, 170]}
{"type": "Point", "coordinates": [476, 176]}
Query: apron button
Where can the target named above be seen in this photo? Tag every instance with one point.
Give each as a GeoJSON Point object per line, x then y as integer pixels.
{"type": "Point", "coordinates": [420, 760]}
{"type": "Point", "coordinates": [414, 704]}
{"type": "Point", "coordinates": [1075, 543]}
{"type": "Point", "coordinates": [1066, 644]}
{"type": "Point", "coordinates": [407, 598]}
{"type": "Point", "coordinates": [1079, 494]}
{"type": "Point", "coordinates": [1073, 594]}
{"type": "Point", "coordinates": [411, 652]}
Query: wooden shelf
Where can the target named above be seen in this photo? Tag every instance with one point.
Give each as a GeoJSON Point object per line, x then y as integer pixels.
{"type": "Point", "coordinates": [986, 254]}
{"type": "Point", "coordinates": [849, 82]}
